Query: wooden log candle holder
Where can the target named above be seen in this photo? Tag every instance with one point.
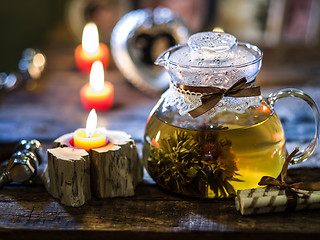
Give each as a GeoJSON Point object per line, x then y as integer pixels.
{"type": "Point", "coordinates": [73, 175]}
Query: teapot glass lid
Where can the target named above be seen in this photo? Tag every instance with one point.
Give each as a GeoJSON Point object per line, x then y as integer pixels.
{"type": "Point", "coordinates": [214, 50]}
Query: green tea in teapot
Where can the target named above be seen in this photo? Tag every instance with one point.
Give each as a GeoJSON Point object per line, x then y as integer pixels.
{"type": "Point", "coordinates": [216, 161]}
{"type": "Point", "coordinates": [212, 133]}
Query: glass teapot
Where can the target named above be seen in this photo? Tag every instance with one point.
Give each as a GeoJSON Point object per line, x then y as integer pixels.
{"type": "Point", "coordinates": [211, 133]}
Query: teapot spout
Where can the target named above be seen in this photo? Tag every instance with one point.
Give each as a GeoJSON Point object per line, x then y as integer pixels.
{"type": "Point", "coordinates": [163, 59]}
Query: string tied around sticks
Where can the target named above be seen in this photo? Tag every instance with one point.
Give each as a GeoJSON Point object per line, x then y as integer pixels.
{"type": "Point", "coordinates": [212, 95]}
{"type": "Point", "coordinates": [290, 189]}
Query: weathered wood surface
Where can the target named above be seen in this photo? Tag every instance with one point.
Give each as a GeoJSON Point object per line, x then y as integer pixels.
{"type": "Point", "coordinates": [29, 212]}
{"type": "Point", "coordinates": [115, 168]}
{"type": "Point", "coordinates": [151, 213]}
{"type": "Point", "coordinates": [67, 175]}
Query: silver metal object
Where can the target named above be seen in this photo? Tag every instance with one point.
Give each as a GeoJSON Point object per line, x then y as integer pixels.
{"type": "Point", "coordinates": [23, 164]}
{"type": "Point", "coordinates": [137, 40]}
{"type": "Point", "coordinates": [33, 146]}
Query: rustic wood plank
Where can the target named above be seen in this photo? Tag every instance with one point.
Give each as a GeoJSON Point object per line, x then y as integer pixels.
{"type": "Point", "coordinates": [151, 210]}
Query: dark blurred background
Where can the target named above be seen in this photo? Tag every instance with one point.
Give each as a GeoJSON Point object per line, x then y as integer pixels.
{"type": "Point", "coordinates": [286, 30]}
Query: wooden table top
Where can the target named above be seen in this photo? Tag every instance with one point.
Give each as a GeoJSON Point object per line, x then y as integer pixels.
{"type": "Point", "coordinates": [28, 211]}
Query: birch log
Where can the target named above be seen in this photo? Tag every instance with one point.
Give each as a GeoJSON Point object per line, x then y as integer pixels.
{"type": "Point", "coordinates": [67, 176]}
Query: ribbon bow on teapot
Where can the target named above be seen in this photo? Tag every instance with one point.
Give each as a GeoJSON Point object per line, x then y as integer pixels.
{"type": "Point", "coordinates": [212, 95]}
{"type": "Point", "coordinates": [290, 189]}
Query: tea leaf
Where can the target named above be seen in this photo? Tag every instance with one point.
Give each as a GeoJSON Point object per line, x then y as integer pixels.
{"type": "Point", "coordinates": [193, 164]}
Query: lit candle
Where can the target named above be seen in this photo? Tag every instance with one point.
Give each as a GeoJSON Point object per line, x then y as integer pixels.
{"type": "Point", "coordinates": [97, 94]}
{"type": "Point", "coordinates": [91, 50]}
{"type": "Point", "coordinates": [90, 137]}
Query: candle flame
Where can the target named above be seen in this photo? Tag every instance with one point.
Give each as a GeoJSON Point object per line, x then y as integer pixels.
{"type": "Point", "coordinates": [218, 29]}
{"type": "Point", "coordinates": [97, 76]}
{"type": "Point", "coordinates": [91, 123]}
{"type": "Point", "coordinates": [90, 38]}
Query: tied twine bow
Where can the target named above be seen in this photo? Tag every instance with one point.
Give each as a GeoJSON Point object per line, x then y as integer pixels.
{"type": "Point", "coordinates": [213, 95]}
{"type": "Point", "coordinates": [290, 189]}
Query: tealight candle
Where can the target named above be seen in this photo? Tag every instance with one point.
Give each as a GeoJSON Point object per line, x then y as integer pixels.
{"type": "Point", "coordinates": [89, 137]}
{"type": "Point", "coordinates": [91, 50]}
{"type": "Point", "coordinates": [97, 93]}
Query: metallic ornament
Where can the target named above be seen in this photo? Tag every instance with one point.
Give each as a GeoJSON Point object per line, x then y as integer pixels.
{"type": "Point", "coordinates": [23, 164]}
{"type": "Point", "coordinates": [139, 38]}
{"type": "Point", "coordinates": [33, 146]}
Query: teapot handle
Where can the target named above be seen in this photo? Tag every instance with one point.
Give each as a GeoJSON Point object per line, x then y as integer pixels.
{"type": "Point", "coordinates": [290, 92]}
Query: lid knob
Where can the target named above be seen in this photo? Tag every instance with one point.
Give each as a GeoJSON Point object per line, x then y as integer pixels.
{"type": "Point", "coordinates": [212, 42]}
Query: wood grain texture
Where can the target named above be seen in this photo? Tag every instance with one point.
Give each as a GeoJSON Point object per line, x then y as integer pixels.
{"type": "Point", "coordinates": [152, 213]}
{"type": "Point", "coordinates": [67, 175]}
{"type": "Point", "coordinates": [115, 168]}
